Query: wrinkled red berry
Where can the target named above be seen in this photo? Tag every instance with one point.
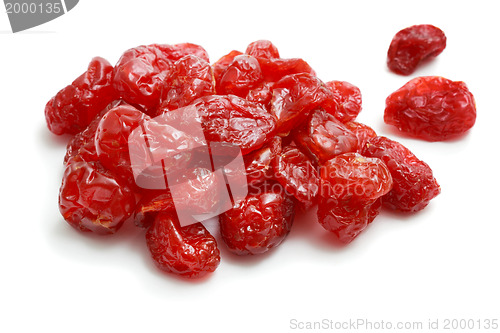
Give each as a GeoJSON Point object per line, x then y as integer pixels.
{"type": "Point", "coordinates": [191, 78]}
{"type": "Point", "coordinates": [240, 76]}
{"type": "Point", "coordinates": [412, 45]}
{"type": "Point", "coordinates": [414, 183]}
{"type": "Point", "coordinates": [263, 49]}
{"type": "Point", "coordinates": [235, 120]}
{"type": "Point", "coordinates": [259, 162]}
{"type": "Point", "coordinates": [362, 132]}
{"type": "Point", "coordinates": [350, 187]}
{"type": "Point", "coordinates": [220, 66]}
{"type": "Point", "coordinates": [188, 251]}
{"type": "Point", "coordinates": [111, 139]}
{"type": "Point", "coordinates": [262, 94]}
{"type": "Point", "coordinates": [344, 102]}
{"type": "Point", "coordinates": [431, 108]}
{"type": "Point", "coordinates": [92, 199]}
{"type": "Point", "coordinates": [323, 137]}
{"type": "Point", "coordinates": [74, 107]}
{"type": "Point", "coordinates": [297, 174]}
{"type": "Point", "coordinates": [152, 203]}
{"type": "Point", "coordinates": [259, 222]}
{"type": "Point", "coordinates": [275, 69]}
{"type": "Point", "coordinates": [294, 97]}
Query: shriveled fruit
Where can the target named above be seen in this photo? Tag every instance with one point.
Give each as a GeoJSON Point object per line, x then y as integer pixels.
{"type": "Point", "coordinates": [73, 108]}
{"type": "Point", "coordinates": [274, 70]}
{"type": "Point", "coordinates": [362, 132]}
{"type": "Point", "coordinates": [414, 183]}
{"type": "Point", "coordinates": [261, 94]}
{"type": "Point", "coordinates": [323, 137]}
{"type": "Point", "coordinates": [295, 171]}
{"type": "Point", "coordinates": [111, 139]}
{"type": "Point", "coordinates": [258, 164]}
{"type": "Point", "coordinates": [412, 45]}
{"type": "Point", "coordinates": [351, 186]}
{"type": "Point", "coordinates": [188, 251]}
{"type": "Point", "coordinates": [235, 120]}
{"type": "Point", "coordinates": [151, 203]}
{"type": "Point", "coordinates": [220, 66]}
{"type": "Point", "coordinates": [240, 76]}
{"type": "Point", "coordinates": [431, 108]}
{"type": "Point", "coordinates": [344, 102]}
{"type": "Point", "coordinates": [259, 222]}
{"type": "Point", "coordinates": [294, 97]}
{"type": "Point", "coordinates": [263, 49]}
{"type": "Point", "coordinates": [141, 71]}
{"type": "Point", "coordinates": [92, 199]}
{"type": "Point", "coordinates": [190, 78]}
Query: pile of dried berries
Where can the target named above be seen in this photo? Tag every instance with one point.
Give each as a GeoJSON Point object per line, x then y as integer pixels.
{"type": "Point", "coordinates": [298, 135]}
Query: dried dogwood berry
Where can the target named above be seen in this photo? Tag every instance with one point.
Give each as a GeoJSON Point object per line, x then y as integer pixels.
{"type": "Point", "coordinates": [344, 102]}
{"type": "Point", "coordinates": [188, 251]}
{"type": "Point", "coordinates": [431, 108]}
{"type": "Point", "coordinates": [74, 107]}
{"type": "Point", "coordinates": [414, 183]}
{"type": "Point", "coordinates": [412, 45]}
{"type": "Point", "coordinates": [351, 186]}
{"type": "Point", "coordinates": [263, 49]}
{"type": "Point", "coordinates": [259, 222]}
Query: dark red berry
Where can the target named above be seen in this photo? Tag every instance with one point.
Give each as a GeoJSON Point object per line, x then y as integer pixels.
{"type": "Point", "coordinates": [412, 45]}
{"type": "Point", "coordinates": [259, 162]}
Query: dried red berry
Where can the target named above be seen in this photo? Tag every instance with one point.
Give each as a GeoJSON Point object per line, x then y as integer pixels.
{"type": "Point", "coordinates": [259, 162]}
{"type": "Point", "coordinates": [431, 108]}
{"type": "Point", "coordinates": [152, 203]}
{"type": "Point", "coordinates": [412, 45]}
{"type": "Point", "coordinates": [74, 107]}
{"type": "Point", "coordinates": [190, 78]}
{"type": "Point", "coordinates": [297, 174]}
{"type": "Point", "coordinates": [259, 222]}
{"type": "Point", "coordinates": [294, 97]}
{"type": "Point", "coordinates": [324, 137]}
{"type": "Point", "coordinates": [414, 183]}
{"type": "Point", "coordinates": [262, 95]}
{"type": "Point", "coordinates": [240, 76]}
{"type": "Point", "coordinates": [344, 102]}
{"type": "Point", "coordinates": [92, 199]}
{"type": "Point", "coordinates": [188, 251]}
{"type": "Point", "coordinates": [141, 71]}
{"type": "Point", "coordinates": [362, 132]}
{"type": "Point", "coordinates": [263, 49]}
{"type": "Point", "coordinates": [235, 120]}
{"type": "Point", "coordinates": [275, 69]}
{"type": "Point", "coordinates": [111, 139]}
{"type": "Point", "coordinates": [220, 66]}
{"type": "Point", "coordinates": [350, 188]}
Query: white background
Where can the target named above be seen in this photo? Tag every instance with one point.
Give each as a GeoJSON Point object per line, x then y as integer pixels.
{"type": "Point", "coordinates": [440, 263]}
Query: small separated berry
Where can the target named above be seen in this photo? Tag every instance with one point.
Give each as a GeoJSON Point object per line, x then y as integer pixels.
{"type": "Point", "coordinates": [412, 45]}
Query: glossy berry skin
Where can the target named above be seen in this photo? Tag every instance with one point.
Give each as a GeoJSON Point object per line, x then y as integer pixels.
{"type": "Point", "coordinates": [412, 45]}
{"type": "Point", "coordinates": [150, 204]}
{"type": "Point", "coordinates": [431, 108]}
{"type": "Point", "coordinates": [111, 139]}
{"type": "Point", "coordinates": [263, 49]}
{"type": "Point", "coordinates": [235, 120]}
{"type": "Point", "coordinates": [414, 184]}
{"type": "Point", "coordinates": [294, 97]}
{"type": "Point", "coordinates": [259, 222]}
{"type": "Point", "coordinates": [362, 132]}
{"type": "Point", "coordinates": [220, 66]}
{"type": "Point", "coordinates": [240, 76]}
{"type": "Point", "coordinates": [191, 78]}
{"type": "Point", "coordinates": [141, 71]}
{"type": "Point", "coordinates": [262, 95]}
{"type": "Point", "coordinates": [188, 251]}
{"type": "Point", "coordinates": [323, 137]}
{"type": "Point", "coordinates": [351, 186]}
{"type": "Point", "coordinates": [92, 199]}
{"type": "Point", "coordinates": [274, 70]}
{"type": "Point", "coordinates": [258, 164]}
{"type": "Point", "coordinates": [344, 102]}
{"type": "Point", "coordinates": [344, 221]}
{"type": "Point", "coordinates": [296, 173]}
{"type": "Point", "coordinates": [74, 107]}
